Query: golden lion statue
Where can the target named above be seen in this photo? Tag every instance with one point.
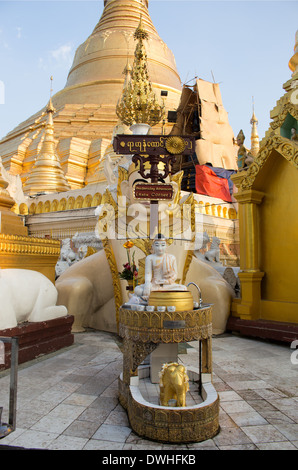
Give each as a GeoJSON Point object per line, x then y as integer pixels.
{"type": "Point", "coordinates": [173, 384]}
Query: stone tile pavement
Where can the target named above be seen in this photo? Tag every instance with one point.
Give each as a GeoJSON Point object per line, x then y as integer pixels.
{"type": "Point", "coordinates": [68, 400]}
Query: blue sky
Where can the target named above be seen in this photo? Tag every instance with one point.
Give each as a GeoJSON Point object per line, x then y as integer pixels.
{"type": "Point", "coordinates": [246, 45]}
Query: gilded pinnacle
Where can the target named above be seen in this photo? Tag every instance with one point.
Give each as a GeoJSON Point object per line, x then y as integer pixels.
{"type": "Point", "coordinates": [46, 174]}
{"type": "Point", "coordinates": [140, 32]}
{"type": "Point", "coordinates": [138, 103]}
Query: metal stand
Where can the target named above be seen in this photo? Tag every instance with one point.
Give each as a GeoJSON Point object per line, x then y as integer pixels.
{"type": "Point", "coordinates": [6, 429]}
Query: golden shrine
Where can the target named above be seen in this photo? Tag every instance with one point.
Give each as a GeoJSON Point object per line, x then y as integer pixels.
{"type": "Point", "coordinates": [268, 224]}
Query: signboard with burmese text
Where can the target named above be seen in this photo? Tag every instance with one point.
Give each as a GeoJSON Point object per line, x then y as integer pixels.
{"type": "Point", "coordinates": [153, 191]}
{"type": "Point", "coordinates": [153, 145]}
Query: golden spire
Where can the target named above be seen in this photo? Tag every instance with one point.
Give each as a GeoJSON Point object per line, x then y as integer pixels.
{"type": "Point", "coordinates": [47, 175]}
{"type": "Point", "coordinates": [255, 142]}
{"type": "Point", "coordinates": [138, 103]}
{"type": "Point", "coordinates": [293, 63]}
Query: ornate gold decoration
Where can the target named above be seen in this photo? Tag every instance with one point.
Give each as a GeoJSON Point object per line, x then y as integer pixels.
{"type": "Point", "coordinates": [141, 332]}
{"type": "Point", "coordinates": [285, 147]}
{"type": "Point", "coordinates": [165, 425]}
{"type": "Point", "coordinates": [138, 103]}
{"type": "Point", "coordinates": [175, 145]}
{"type": "Point", "coordinates": [177, 178]}
{"type": "Point", "coordinates": [22, 252]}
{"type": "Point", "coordinates": [28, 245]}
{"type": "Point", "coordinates": [287, 108]}
{"type": "Point", "coordinates": [187, 264]}
{"type": "Point", "coordinates": [149, 326]}
{"type": "Point", "coordinates": [147, 166]}
{"type": "Point", "coordinates": [144, 244]}
{"type": "Point", "coordinates": [115, 276]}
{"type": "Point", "coordinates": [122, 176]}
{"type": "Point", "coordinates": [90, 251]}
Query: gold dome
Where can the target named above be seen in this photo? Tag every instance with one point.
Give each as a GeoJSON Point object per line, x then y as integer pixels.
{"type": "Point", "coordinates": [96, 75]}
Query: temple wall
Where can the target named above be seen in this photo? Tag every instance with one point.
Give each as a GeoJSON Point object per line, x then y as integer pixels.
{"type": "Point", "coordinates": [278, 233]}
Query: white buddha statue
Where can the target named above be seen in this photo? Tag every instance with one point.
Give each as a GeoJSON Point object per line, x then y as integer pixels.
{"type": "Point", "coordinates": [160, 271]}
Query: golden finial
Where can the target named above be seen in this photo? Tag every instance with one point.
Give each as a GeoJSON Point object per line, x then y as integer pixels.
{"type": "Point", "coordinates": [255, 143]}
{"type": "Point", "coordinates": [138, 103]}
{"type": "Point", "coordinates": [293, 63]}
{"type": "Point", "coordinates": [140, 32]}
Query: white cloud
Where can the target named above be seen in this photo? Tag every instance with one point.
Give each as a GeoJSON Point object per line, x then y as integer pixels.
{"type": "Point", "coordinates": [19, 32]}
{"type": "Point", "coordinates": [60, 58]}
{"type": "Point", "coordinates": [62, 55]}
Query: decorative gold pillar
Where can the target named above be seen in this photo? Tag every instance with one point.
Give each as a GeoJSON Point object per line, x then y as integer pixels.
{"type": "Point", "coordinates": [250, 275]}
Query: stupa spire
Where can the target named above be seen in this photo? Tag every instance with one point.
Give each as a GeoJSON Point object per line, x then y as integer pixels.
{"type": "Point", "coordinates": [47, 175]}
{"type": "Point", "coordinates": [255, 142]}
{"type": "Point", "coordinates": [138, 103]}
{"type": "Point", "coordinates": [293, 63]}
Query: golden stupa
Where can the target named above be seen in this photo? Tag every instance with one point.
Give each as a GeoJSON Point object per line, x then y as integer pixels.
{"type": "Point", "coordinates": [86, 107]}
{"type": "Point", "coordinates": [46, 175]}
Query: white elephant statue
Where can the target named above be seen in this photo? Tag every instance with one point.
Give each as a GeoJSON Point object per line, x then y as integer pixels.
{"type": "Point", "coordinates": [27, 296]}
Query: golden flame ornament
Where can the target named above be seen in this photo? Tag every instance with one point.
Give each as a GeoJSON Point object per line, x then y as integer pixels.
{"type": "Point", "coordinates": [138, 103]}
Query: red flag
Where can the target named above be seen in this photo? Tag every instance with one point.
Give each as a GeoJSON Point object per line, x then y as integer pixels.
{"type": "Point", "coordinates": [208, 183]}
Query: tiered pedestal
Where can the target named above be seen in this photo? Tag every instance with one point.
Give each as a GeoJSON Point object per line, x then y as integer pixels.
{"type": "Point", "coordinates": [142, 332]}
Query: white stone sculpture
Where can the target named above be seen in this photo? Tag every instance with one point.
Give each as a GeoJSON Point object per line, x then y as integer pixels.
{"type": "Point", "coordinates": [213, 253]}
{"type": "Point", "coordinates": [160, 270]}
{"type": "Point", "coordinates": [67, 257]}
{"type": "Point", "coordinates": [27, 296]}
{"type": "Point", "coordinates": [201, 242]}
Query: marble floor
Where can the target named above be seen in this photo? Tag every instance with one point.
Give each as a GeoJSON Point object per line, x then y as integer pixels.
{"type": "Point", "coordinates": [68, 400]}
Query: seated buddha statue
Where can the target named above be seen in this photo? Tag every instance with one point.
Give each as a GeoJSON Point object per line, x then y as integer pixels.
{"type": "Point", "coordinates": [160, 271]}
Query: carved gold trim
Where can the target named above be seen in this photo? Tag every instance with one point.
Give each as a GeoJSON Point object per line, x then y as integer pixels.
{"type": "Point", "coordinates": [177, 178]}
{"type": "Point", "coordinates": [14, 244]}
{"type": "Point", "coordinates": [288, 108]}
{"type": "Point", "coordinates": [115, 276]}
{"type": "Point", "coordinates": [147, 327]}
{"type": "Point", "coordinates": [187, 264]}
{"type": "Point", "coordinates": [122, 176]}
{"type": "Point", "coordinates": [285, 147]}
{"type": "Point", "coordinates": [182, 425]}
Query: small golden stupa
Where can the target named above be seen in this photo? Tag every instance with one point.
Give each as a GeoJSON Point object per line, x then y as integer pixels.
{"type": "Point", "coordinates": [47, 175]}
